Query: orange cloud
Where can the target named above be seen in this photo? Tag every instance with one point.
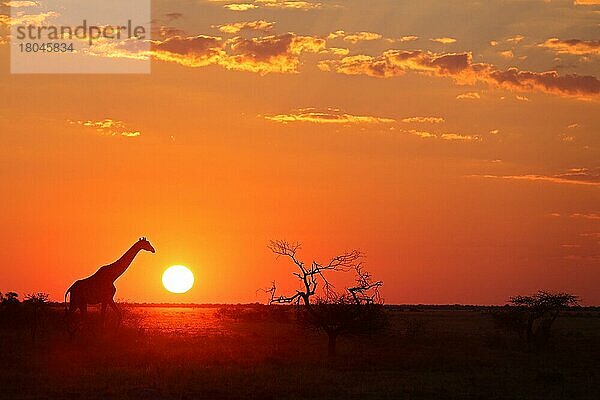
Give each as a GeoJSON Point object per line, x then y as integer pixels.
{"type": "Point", "coordinates": [397, 62]}
{"type": "Point", "coordinates": [362, 37]}
{"type": "Point", "coordinates": [461, 68]}
{"type": "Point", "coordinates": [468, 96]}
{"type": "Point", "coordinates": [193, 51]}
{"type": "Point", "coordinates": [408, 38]}
{"type": "Point", "coordinates": [573, 46]}
{"type": "Point", "coordinates": [237, 27]}
{"type": "Point", "coordinates": [27, 19]}
{"type": "Point", "coordinates": [240, 6]}
{"type": "Point", "coordinates": [278, 53]}
{"type": "Point", "coordinates": [444, 40]}
{"type": "Point", "coordinates": [21, 4]}
{"type": "Point", "coordinates": [460, 137]}
{"type": "Point", "coordinates": [421, 134]}
{"type": "Point", "coordinates": [431, 120]}
{"type": "Point", "coordinates": [595, 216]}
{"type": "Point", "coordinates": [108, 127]}
{"type": "Point", "coordinates": [574, 176]}
{"type": "Point", "coordinates": [338, 51]}
{"type": "Point", "coordinates": [456, 137]}
{"type": "Point", "coordinates": [329, 116]}
{"type": "Point", "coordinates": [298, 5]}
{"type": "Point", "coordinates": [549, 82]}
{"type": "Point", "coordinates": [515, 39]}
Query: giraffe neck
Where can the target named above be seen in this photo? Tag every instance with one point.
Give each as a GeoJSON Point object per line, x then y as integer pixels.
{"type": "Point", "coordinates": [117, 268]}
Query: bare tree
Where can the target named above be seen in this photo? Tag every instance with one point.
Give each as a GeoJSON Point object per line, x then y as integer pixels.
{"type": "Point", "coordinates": [541, 309]}
{"type": "Point", "coordinates": [354, 310]}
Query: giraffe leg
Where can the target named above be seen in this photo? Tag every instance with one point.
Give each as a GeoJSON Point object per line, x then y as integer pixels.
{"type": "Point", "coordinates": [113, 305]}
{"type": "Point", "coordinates": [69, 320]}
{"type": "Point", "coordinates": [103, 314]}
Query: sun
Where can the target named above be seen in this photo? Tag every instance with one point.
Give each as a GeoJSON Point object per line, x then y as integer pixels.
{"type": "Point", "coordinates": [178, 279]}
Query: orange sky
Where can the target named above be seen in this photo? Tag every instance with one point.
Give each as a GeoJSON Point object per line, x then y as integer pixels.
{"type": "Point", "coordinates": [428, 134]}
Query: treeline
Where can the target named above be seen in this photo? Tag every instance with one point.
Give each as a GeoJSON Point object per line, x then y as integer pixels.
{"type": "Point", "coordinates": [29, 313]}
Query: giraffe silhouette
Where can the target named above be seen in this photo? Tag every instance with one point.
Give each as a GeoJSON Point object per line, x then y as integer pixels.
{"type": "Point", "coordinates": [100, 287]}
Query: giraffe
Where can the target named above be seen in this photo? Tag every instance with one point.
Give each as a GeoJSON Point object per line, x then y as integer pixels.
{"type": "Point", "coordinates": [100, 287]}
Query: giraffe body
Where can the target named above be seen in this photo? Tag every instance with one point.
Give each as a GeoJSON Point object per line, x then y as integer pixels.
{"type": "Point", "coordinates": [99, 288]}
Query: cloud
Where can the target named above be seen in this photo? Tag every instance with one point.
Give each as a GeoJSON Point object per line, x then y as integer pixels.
{"type": "Point", "coordinates": [164, 32]}
{"type": "Point", "coordinates": [515, 39]}
{"type": "Point", "coordinates": [278, 53]}
{"type": "Point", "coordinates": [549, 82]}
{"type": "Point", "coordinates": [450, 137]}
{"type": "Point", "coordinates": [494, 131]}
{"type": "Point", "coordinates": [354, 37]}
{"type": "Point", "coordinates": [240, 6]}
{"type": "Point", "coordinates": [108, 127]}
{"type": "Point", "coordinates": [297, 5]}
{"type": "Point", "coordinates": [173, 15]}
{"type": "Point", "coordinates": [460, 67]}
{"type": "Point", "coordinates": [468, 96]}
{"type": "Point", "coordinates": [572, 46]}
{"type": "Point", "coordinates": [522, 98]}
{"type": "Point", "coordinates": [336, 34]}
{"type": "Point", "coordinates": [460, 137]}
{"type": "Point", "coordinates": [586, 2]}
{"type": "Point", "coordinates": [574, 176]}
{"type": "Point", "coordinates": [594, 216]}
{"type": "Point", "coordinates": [591, 175]}
{"type": "Point", "coordinates": [27, 19]}
{"type": "Point", "coordinates": [421, 134]}
{"type": "Point", "coordinates": [275, 53]}
{"type": "Point", "coordinates": [398, 62]}
{"type": "Point", "coordinates": [191, 51]}
{"type": "Point", "coordinates": [236, 27]}
{"type": "Point", "coordinates": [444, 40]}
{"type": "Point", "coordinates": [338, 51]}
{"type": "Point", "coordinates": [334, 116]}
{"type": "Point", "coordinates": [328, 116]}
{"type": "Point", "coordinates": [362, 37]}
{"type": "Point", "coordinates": [431, 120]}
{"type": "Point", "coordinates": [21, 4]}
{"type": "Point", "coordinates": [507, 54]}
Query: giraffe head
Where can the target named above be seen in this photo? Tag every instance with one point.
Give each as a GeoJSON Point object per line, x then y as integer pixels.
{"type": "Point", "coordinates": [145, 245]}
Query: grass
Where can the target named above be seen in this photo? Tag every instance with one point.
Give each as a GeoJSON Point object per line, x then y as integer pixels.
{"type": "Point", "coordinates": [428, 354]}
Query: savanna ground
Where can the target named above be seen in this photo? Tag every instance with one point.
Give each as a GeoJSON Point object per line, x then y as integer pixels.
{"type": "Point", "coordinates": [425, 353]}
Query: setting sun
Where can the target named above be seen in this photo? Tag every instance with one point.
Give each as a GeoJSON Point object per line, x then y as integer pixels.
{"type": "Point", "coordinates": [178, 279]}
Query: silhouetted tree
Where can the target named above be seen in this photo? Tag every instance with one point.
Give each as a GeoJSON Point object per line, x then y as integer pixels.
{"type": "Point", "coordinates": [541, 310]}
{"type": "Point", "coordinates": [10, 299]}
{"type": "Point", "coordinates": [10, 310]}
{"type": "Point", "coordinates": [357, 309]}
{"type": "Point", "coordinates": [37, 301]}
